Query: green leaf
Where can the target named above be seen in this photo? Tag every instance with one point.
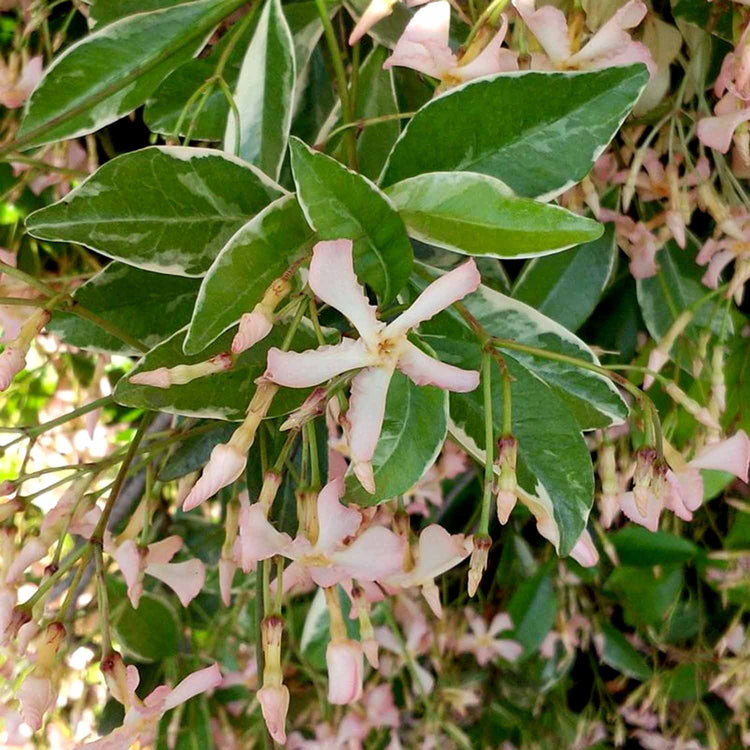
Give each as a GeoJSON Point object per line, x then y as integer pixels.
{"type": "Point", "coordinates": [646, 596]}
{"type": "Point", "coordinates": [194, 729]}
{"type": "Point", "coordinates": [567, 287]}
{"type": "Point", "coordinates": [264, 94]}
{"type": "Point", "coordinates": [479, 215]}
{"type": "Point", "coordinates": [640, 547]}
{"type": "Point", "coordinates": [592, 398]}
{"type": "Point", "coordinates": [149, 633]}
{"type": "Point", "coordinates": [193, 452]}
{"type": "Point", "coordinates": [376, 98]}
{"type": "Point", "coordinates": [163, 208]}
{"type": "Point", "coordinates": [256, 255]}
{"type": "Point", "coordinates": [224, 395]}
{"type": "Point", "coordinates": [105, 11]}
{"type": "Point", "coordinates": [112, 71]}
{"type": "Point", "coordinates": [538, 132]}
{"type": "Point", "coordinates": [620, 655]}
{"type": "Point", "coordinates": [414, 430]}
{"type": "Point", "coordinates": [676, 287]}
{"type": "Point", "coordinates": [533, 609]}
{"type": "Point", "coordinates": [133, 300]}
{"type": "Point", "coordinates": [554, 464]}
{"type": "Point", "coordinates": [339, 203]}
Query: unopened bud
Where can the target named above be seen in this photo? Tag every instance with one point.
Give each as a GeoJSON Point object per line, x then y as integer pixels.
{"type": "Point", "coordinates": [313, 406]}
{"type": "Point", "coordinates": [700, 413]}
{"type": "Point", "coordinates": [660, 355]}
{"type": "Point", "coordinates": [9, 508]}
{"type": "Point", "coordinates": [711, 202]}
{"type": "Point", "coordinates": [13, 357]}
{"type": "Point", "coordinates": [49, 644]}
{"type": "Point", "coordinates": [507, 485]}
{"type": "Point", "coordinates": [116, 677]}
{"type": "Point", "coordinates": [478, 562]}
{"type": "Point", "coordinates": [607, 470]}
{"type": "Point", "coordinates": [269, 489]}
{"type": "Point", "coordinates": [718, 383]}
{"type": "Point", "coordinates": [256, 325]}
{"type": "Point", "coordinates": [164, 377]}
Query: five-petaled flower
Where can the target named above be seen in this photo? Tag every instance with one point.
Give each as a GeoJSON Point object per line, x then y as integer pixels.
{"type": "Point", "coordinates": [381, 349]}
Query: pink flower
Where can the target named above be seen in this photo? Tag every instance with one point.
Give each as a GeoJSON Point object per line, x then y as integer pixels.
{"type": "Point", "coordinates": [379, 351]}
{"type": "Point", "coordinates": [376, 11]}
{"type": "Point", "coordinates": [345, 669]}
{"type": "Point", "coordinates": [610, 46]}
{"type": "Point", "coordinates": [731, 455]}
{"type": "Point", "coordinates": [37, 696]}
{"type": "Point", "coordinates": [424, 47]}
{"type": "Point", "coordinates": [15, 88]}
{"type": "Point", "coordinates": [482, 641]}
{"type": "Point", "coordinates": [184, 578]}
{"type": "Point", "coordinates": [716, 132]}
{"type": "Point", "coordinates": [12, 361]}
{"type": "Point", "coordinates": [584, 552]}
{"type": "Point", "coordinates": [274, 704]}
{"type": "Point", "coordinates": [254, 326]}
{"type": "Point", "coordinates": [142, 717]}
{"type": "Point", "coordinates": [437, 552]}
{"type": "Point", "coordinates": [340, 550]}
{"type": "Point", "coordinates": [224, 467]}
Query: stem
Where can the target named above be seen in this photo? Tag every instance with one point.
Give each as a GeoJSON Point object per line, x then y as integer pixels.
{"type": "Point", "coordinates": [484, 521]}
{"type": "Point", "coordinates": [96, 537]}
{"type": "Point", "coordinates": [341, 84]}
{"type": "Point", "coordinates": [507, 403]}
{"type": "Point", "coordinates": [366, 122]}
{"type": "Point", "coordinates": [496, 6]}
{"type": "Point", "coordinates": [312, 442]}
{"type": "Point", "coordinates": [102, 601]}
{"type": "Point", "coordinates": [30, 603]}
{"type": "Point", "coordinates": [105, 325]}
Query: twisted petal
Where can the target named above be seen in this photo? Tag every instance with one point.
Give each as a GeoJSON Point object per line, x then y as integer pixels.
{"type": "Point", "coordinates": [719, 261]}
{"type": "Point", "coordinates": [184, 578]}
{"type": "Point", "coordinates": [315, 366]}
{"type": "Point", "coordinates": [37, 696]}
{"type": "Point", "coordinates": [716, 132]}
{"type": "Point", "coordinates": [194, 684]}
{"type": "Point", "coordinates": [345, 668]}
{"type": "Point", "coordinates": [424, 44]}
{"type": "Point", "coordinates": [376, 11]}
{"type": "Point", "coordinates": [732, 455]}
{"type": "Point", "coordinates": [259, 540]}
{"type": "Point", "coordinates": [335, 521]}
{"type": "Point", "coordinates": [333, 280]}
{"type": "Point", "coordinates": [365, 416]}
{"type": "Point", "coordinates": [441, 293]}
{"type": "Point", "coordinates": [584, 552]}
{"type": "Point", "coordinates": [426, 370]}
{"type": "Point", "coordinates": [164, 550]}
{"type": "Point", "coordinates": [158, 378]}
{"type": "Point", "coordinates": [224, 467]}
{"type": "Point", "coordinates": [549, 26]}
{"type": "Point", "coordinates": [31, 552]}
{"type": "Point", "coordinates": [274, 704]}
{"type": "Point", "coordinates": [254, 326]}
{"type": "Point", "coordinates": [130, 560]}
{"type": "Point", "coordinates": [653, 510]}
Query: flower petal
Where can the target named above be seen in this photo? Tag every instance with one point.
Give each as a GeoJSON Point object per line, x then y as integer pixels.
{"type": "Point", "coordinates": [426, 370]}
{"type": "Point", "coordinates": [163, 550]}
{"type": "Point", "coordinates": [732, 455]}
{"type": "Point", "coordinates": [335, 521]}
{"type": "Point", "coordinates": [424, 44]}
{"type": "Point", "coordinates": [184, 578]}
{"type": "Point", "coordinates": [494, 58]}
{"type": "Point", "coordinates": [333, 280]}
{"type": "Point", "coordinates": [274, 704]}
{"type": "Point", "coordinates": [584, 552]}
{"type": "Point", "coordinates": [345, 668]}
{"type": "Point", "coordinates": [549, 26]}
{"type": "Point", "coordinates": [194, 684]}
{"type": "Point", "coordinates": [716, 132]}
{"type": "Point", "coordinates": [258, 539]}
{"type": "Point", "coordinates": [315, 366]}
{"type": "Point", "coordinates": [441, 293]}
{"type": "Point", "coordinates": [376, 11]}
{"type": "Point", "coordinates": [374, 556]}
{"type": "Point", "coordinates": [224, 467]}
{"type": "Point", "coordinates": [365, 416]}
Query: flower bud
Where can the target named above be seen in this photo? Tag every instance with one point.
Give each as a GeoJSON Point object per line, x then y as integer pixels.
{"type": "Point", "coordinates": [507, 486]}
{"type": "Point", "coordinates": [36, 696]}
{"type": "Point", "coordinates": [700, 413]}
{"type": "Point", "coordinates": [274, 705]}
{"type": "Point", "coordinates": [718, 383]}
{"type": "Point", "coordinates": [268, 490]}
{"type": "Point", "coordinates": [478, 563]}
{"type": "Point", "coordinates": [9, 508]}
{"type": "Point", "coordinates": [344, 659]}
{"type": "Point", "coordinates": [224, 467]}
{"type": "Point", "coordinates": [584, 552]}
{"type": "Point", "coordinates": [607, 470]}
{"type": "Point", "coordinates": [256, 325]}
{"type": "Point", "coordinates": [659, 356]}
{"type": "Point", "coordinates": [164, 377]}
{"type": "Point", "coordinates": [116, 677]}
{"type": "Point", "coordinates": [13, 358]}
{"type": "Point", "coordinates": [273, 696]}
{"type": "Point", "coordinates": [313, 406]}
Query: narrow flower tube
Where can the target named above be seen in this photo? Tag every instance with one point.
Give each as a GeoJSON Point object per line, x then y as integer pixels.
{"type": "Point", "coordinates": [478, 562]}
{"type": "Point", "coordinates": [660, 355]}
{"type": "Point", "coordinates": [507, 486]}
{"type": "Point", "coordinates": [164, 377]}
{"type": "Point", "coordinates": [700, 413]}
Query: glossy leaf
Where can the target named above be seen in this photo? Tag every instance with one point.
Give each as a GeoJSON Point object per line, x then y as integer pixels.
{"type": "Point", "coordinates": [163, 208]}
{"type": "Point", "coordinates": [339, 203]}
{"type": "Point", "coordinates": [640, 547]}
{"type": "Point", "coordinates": [567, 287]}
{"type": "Point", "coordinates": [256, 255]}
{"type": "Point", "coordinates": [526, 141]}
{"type": "Point", "coordinates": [224, 395]}
{"type": "Point", "coordinates": [479, 215]}
{"type": "Point", "coordinates": [376, 98]}
{"type": "Point", "coordinates": [400, 460]}
{"type": "Point", "coordinates": [193, 452]}
{"type": "Point", "coordinates": [149, 306]}
{"type": "Point", "coordinates": [105, 11]}
{"type": "Point", "coordinates": [620, 655]}
{"type": "Point", "coordinates": [592, 398]}
{"type": "Point", "coordinates": [150, 633]}
{"type": "Point", "coordinates": [533, 609]}
{"type": "Point", "coordinates": [115, 69]}
{"type": "Point", "coordinates": [264, 94]}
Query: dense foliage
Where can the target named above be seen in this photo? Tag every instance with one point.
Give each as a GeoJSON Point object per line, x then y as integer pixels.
{"type": "Point", "coordinates": [374, 374]}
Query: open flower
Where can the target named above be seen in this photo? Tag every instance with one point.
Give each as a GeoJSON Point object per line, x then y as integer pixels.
{"type": "Point", "coordinates": [15, 84]}
{"type": "Point", "coordinates": [142, 717]}
{"type": "Point", "coordinates": [380, 350]}
{"type": "Point", "coordinates": [610, 46]}
{"type": "Point", "coordinates": [375, 554]}
{"type": "Point", "coordinates": [424, 47]}
{"type": "Point", "coordinates": [483, 642]}
{"type": "Point", "coordinates": [437, 552]}
{"type": "Point", "coordinates": [184, 578]}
